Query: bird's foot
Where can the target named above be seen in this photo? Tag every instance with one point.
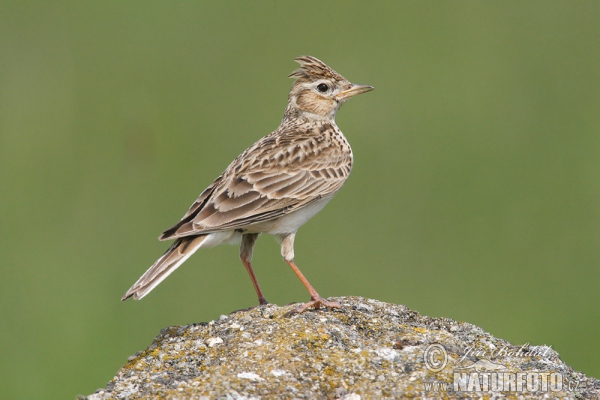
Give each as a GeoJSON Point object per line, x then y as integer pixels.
{"type": "Point", "coordinates": [262, 301]}
{"type": "Point", "coordinates": [316, 303]}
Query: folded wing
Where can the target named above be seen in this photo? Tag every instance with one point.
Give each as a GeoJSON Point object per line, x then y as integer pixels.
{"type": "Point", "coordinates": [280, 177]}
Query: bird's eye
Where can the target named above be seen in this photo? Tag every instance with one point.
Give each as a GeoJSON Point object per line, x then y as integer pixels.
{"type": "Point", "coordinates": [322, 88]}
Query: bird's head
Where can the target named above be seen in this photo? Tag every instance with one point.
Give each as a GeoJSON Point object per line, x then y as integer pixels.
{"type": "Point", "coordinates": [319, 91]}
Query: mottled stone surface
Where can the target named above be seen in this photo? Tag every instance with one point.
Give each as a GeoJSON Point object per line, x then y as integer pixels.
{"type": "Point", "coordinates": [367, 349]}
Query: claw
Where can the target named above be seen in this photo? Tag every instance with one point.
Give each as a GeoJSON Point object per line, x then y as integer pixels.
{"type": "Point", "coordinates": [316, 303]}
{"type": "Point", "coordinates": [262, 301]}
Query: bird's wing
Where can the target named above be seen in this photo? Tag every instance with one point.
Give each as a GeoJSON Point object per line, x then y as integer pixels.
{"type": "Point", "coordinates": [276, 176]}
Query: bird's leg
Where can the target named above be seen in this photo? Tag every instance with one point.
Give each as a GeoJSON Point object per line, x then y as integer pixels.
{"type": "Point", "coordinates": [316, 300]}
{"type": "Point", "coordinates": [246, 248]}
{"type": "Point", "coordinates": [287, 251]}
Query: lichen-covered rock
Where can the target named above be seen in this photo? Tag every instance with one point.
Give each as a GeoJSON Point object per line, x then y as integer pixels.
{"type": "Point", "coordinates": [366, 349]}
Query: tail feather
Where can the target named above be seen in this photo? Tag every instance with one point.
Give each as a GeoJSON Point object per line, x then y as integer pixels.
{"type": "Point", "coordinates": [180, 251]}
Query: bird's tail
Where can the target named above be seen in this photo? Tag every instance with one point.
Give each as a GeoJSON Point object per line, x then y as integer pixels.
{"type": "Point", "coordinates": [180, 251]}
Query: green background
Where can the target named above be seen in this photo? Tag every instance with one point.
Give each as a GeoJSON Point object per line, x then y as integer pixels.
{"type": "Point", "coordinates": [474, 196]}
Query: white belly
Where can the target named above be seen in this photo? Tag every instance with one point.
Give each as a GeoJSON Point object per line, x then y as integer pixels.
{"type": "Point", "coordinates": [288, 223]}
{"type": "Point", "coordinates": [291, 222]}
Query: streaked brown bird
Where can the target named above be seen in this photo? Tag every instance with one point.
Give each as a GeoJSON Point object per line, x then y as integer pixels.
{"type": "Point", "coordinates": [273, 187]}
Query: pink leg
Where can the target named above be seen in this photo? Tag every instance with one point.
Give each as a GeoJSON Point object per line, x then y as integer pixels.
{"type": "Point", "coordinates": [316, 300]}
{"type": "Point", "coordinates": [261, 298]}
{"type": "Point", "coordinates": [248, 241]}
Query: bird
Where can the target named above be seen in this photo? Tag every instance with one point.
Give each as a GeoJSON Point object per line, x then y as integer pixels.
{"type": "Point", "coordinates": [274, 186]}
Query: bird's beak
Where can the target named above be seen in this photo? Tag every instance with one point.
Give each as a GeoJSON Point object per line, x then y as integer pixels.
{"type": "Point", "coordinates": [353, 91]}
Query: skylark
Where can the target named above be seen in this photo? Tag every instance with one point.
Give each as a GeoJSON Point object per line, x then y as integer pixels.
{"type": "Point", "coordinates": [273, 187]}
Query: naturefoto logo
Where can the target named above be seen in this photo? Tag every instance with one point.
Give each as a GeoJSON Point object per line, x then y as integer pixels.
{"type": "Point", "coordinates": [484, 375]}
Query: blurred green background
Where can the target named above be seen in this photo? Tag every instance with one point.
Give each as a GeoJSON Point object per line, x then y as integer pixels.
{"type": "Point", "coordinates": [474, 196]}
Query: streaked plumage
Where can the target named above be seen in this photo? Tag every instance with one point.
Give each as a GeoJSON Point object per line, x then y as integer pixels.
{"type": "Point", "coordinates": [274, 186]}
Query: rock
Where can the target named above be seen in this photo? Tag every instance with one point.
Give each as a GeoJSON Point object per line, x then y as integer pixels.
{"type": "Point", "coordinates": [366, 349]}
